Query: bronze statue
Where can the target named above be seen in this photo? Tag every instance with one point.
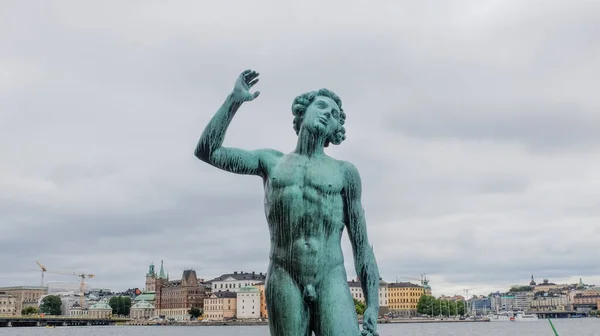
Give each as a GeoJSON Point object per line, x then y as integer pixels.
{"type": "Point", "coordinates": [309, 199]}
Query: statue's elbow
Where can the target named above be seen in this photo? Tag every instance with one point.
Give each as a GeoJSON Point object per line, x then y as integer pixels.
{"type": "Point", "coordinates": [202, 154]}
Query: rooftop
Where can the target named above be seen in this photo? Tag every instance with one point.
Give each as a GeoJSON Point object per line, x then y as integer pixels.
{"type": "Point", "coordinates": [241, 276]}
{"type": "Point", "coordinates": [403, 285]}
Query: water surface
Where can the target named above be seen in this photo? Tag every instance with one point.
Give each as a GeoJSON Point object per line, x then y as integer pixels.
{"type": "Point", "coordinates": [565, 327]}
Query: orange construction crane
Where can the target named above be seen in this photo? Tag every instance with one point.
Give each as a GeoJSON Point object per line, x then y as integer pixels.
{"type": "Point", "coordinates": [423, 280]}
{"type": "Point", "coordinates": [83, 276]}
{"type": "Point", "coordinates": [43, 271]}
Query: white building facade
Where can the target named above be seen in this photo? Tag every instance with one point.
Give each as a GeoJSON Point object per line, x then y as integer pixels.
{"type": "Point", "coordinates": [248, 303]}
{"type": "Point", "coordinates": [233, 282]}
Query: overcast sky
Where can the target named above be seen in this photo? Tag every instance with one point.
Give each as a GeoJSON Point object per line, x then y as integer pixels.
{"type": "Point", "coordinates": [475, 126]}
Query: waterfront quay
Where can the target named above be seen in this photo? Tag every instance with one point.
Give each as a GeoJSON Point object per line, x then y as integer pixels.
{"type": "Point", "coordinates": [422, 320]}
{"type": "Point", "coordinates": [56, 321]}
{"type": "Point", "coordinates": [263, 323]}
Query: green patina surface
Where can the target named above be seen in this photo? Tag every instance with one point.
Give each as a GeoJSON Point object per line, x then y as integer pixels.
{"type": "Point", "coordinates": [310, 198]}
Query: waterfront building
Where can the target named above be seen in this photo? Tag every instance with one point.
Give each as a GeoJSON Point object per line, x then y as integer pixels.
{"type": "Point", "coordinates": [149, 297]}
{"type": "Point", "coordinates": [523, 300]}
{"type": "Point", "coordinates": [356, 290]}
{"type": "Point", "coordinates": [550, 303]}
{"type": "Point", "coordinates": [480, 306]}
{"type": "Point", "coordinates": [403, 297]}
{"type": "Point", "coordinates": [100, 310]}
{"type": "Point", "coordinates": [142, 310]}
{"type": "Point", "coordinates": [220, 306]}
{"type": "Point", "coordinates": [248, 303]}
{"type": "Point", "coordinates": [25, 296]}
{"type": "Point", "coordinates": [383, 297]}
{"type": "Point", "coordinates": [586, 300]}
{"type": "Point", "coordinates": [263, 301]}
{"type": "Point", "coordinates": [168, 298]}
{"type": "Point", "coordinates": [76, 310]}
{"type": "Point", "coordinates": [383, 293]}
{"type": "Point", "coordinates": [173, 299]}
{"type": "Point", "coordinates": [234, 281]}
{"type": "Point", "coordinates": [8, 305]}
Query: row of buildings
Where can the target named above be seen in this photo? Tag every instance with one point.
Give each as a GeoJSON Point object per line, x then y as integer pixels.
{"type": "Point", "coordinates": [540, 297]}
{"type": "Point", "coordinates": [239, 295]}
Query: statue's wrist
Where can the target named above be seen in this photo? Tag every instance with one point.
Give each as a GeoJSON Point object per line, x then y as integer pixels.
{"type": "Point", "coordinates": [235, 98]}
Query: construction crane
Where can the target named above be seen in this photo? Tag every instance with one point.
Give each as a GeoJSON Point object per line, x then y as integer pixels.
{"type": "Point", "coordinates": [43, 271]}
{"type": "Point", "coordinates": [83, 276]}
{"type": "Point", "coordinates": [423, 279]}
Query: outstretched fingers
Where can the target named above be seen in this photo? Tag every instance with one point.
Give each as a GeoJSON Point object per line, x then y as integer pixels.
{"type": "Point", "coordinates": [254, 81]}
{"type": "Point", "coordinates": [249, 77]}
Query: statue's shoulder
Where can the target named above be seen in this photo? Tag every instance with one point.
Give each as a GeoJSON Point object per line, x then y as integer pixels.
{"type": "Point", "coordinates": [268, 158]}
{"type": "Point", "coordinates": [349, 169]}
{"type": "Point", "coordinates": [269, 152]}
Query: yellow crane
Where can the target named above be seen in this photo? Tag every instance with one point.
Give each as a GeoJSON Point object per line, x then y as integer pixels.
{"type": "Point", "coordinates": [423, 280]}
{"type": "Point", "coordinates": [43, 271]}
{"type": "Point", "coordinates": [83, 276]}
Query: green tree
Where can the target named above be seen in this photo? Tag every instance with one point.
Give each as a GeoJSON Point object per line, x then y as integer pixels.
{"type": "Point", "coordinates": [428, 305]}
{"type": "Point", "coordinates": [359, 306]}
{"type": "Point", "coordinates": [515, 289]}
{"type": "Point", "coordinates": [30, 310]}
{"type": "Point", "coordinates": [51, 305]}
{"type": "Point", "coordinates": [460, 306]}
{"type": "Point", "coordinates": [195, 312]}
{"type": "Point", "coordinates": [120, 305]}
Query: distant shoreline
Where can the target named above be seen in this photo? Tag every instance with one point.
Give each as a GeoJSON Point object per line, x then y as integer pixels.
{"type": "Point", "coordinates": [264, 323]}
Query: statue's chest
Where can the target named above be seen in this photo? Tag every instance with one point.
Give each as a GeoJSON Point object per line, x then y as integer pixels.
{"type": "Point", "coordinates": [323, 176]}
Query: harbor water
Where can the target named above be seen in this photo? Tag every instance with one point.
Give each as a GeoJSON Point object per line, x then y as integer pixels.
{"type": "Point", "coordinates": [564, 327]}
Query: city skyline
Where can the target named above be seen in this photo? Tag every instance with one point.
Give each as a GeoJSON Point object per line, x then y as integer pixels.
{"type": "Point", "coordinates": [473, 126]}
{"type": "Point", "coordinates": [446, 289]}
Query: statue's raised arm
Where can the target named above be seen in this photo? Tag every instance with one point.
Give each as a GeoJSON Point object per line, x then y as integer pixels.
{"type": "Point", "coordinates": [234, 160]}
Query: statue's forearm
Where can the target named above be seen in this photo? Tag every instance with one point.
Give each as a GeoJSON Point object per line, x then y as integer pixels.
{"type": "Point", "coordinates": [214, 133]}
{"type": "Point", "coordinates": [369, 276]}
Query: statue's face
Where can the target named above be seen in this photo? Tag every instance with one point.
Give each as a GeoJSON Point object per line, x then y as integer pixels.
{"type": "Point", "coordinates": [322, 116]}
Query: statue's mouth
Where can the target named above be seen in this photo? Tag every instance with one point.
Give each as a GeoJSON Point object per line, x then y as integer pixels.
{"type": "Point", "coordinates": [323, 121]}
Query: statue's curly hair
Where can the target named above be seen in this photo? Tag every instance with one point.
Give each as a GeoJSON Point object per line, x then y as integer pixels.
{"type": "Point", "coordinates": [303, 101]}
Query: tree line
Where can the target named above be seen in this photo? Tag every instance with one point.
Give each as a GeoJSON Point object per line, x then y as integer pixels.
{"type": "Point", "coordinates": [429, 305]}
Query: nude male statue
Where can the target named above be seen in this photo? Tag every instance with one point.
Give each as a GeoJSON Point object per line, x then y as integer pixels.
{"type": "Point", "coordinates": [309, 199]}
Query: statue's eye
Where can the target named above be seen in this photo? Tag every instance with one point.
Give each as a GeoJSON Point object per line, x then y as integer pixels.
{"type": "Point", "coordinates": [321, 104]}
{"type": "Point", "coordinates": [335, 113]}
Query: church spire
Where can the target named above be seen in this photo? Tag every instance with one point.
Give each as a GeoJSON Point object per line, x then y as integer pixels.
{"type": "Point", "coordinates": [162, 275]}
{"type": "Point", "coordinates": [151, 270]}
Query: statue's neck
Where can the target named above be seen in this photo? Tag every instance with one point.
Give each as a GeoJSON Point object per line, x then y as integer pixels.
{"type": "Point", "coordinates": [309, 144]}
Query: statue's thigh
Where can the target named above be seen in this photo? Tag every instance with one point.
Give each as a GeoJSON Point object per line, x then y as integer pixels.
{"type": "Point", "coordinates": [336, 315]}
{"type": "Point", "coordinates": [288, 314]}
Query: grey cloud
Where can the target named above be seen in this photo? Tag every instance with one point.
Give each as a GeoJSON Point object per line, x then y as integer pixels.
{"type": "Point", "coordinates": [473, 127]}
{"type": "Point", "coordinates": [567, 127]}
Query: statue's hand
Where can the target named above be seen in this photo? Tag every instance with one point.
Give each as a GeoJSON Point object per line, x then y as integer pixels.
{"type": "Point", "coordinates": [246, 80]}
{"type": "Point", "coordinates": [369, 325]}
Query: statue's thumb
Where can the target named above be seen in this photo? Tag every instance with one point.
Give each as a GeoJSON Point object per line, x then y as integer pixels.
{"type": "Point", "coordinates": [255, 94]}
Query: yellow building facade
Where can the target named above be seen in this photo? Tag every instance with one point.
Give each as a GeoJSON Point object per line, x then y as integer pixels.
{"type": "Point", "coordinates": [263, 301]}
{"type": "Point", "coordinates": [220, 306]}
{"type": "Point", "coordinates": [404, 296]}
{"type": "Point", "coordinates": [25, 296]}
